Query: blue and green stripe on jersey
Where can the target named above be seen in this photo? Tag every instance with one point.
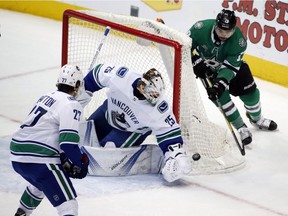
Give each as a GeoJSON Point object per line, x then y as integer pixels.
{"type": "Point", "coordinates": [96, 74]}
{"type": "Point", "coordinates": [32, 148]}
{"type": "Point", "coordinates": [39, 149]}
{"type": "Point", "coordinates": [69, 136]}
{"type": "Point", "coordinates": [170, 137]}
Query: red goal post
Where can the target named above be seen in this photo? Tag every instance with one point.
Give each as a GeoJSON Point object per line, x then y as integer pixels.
{"type": "Point", "coordinates": [142, 44]}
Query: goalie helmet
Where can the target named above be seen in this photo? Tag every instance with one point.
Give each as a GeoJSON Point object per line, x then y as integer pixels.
{"type": "Point", "coordinates": [153, 85]}
{"type": "Point", "coordinates": [69, 75]}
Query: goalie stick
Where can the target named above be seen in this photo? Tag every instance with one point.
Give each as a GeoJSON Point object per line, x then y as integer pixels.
{"type": "Point", "coordinates": [207, 84]}
{"type": "Point", "coordinates": [106, 32]}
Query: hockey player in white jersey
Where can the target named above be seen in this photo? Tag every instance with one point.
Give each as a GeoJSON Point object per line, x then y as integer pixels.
{"type": "Point", "coordinates": [45, 151]}
{"type": "Point", "coordinates": [136, 107]}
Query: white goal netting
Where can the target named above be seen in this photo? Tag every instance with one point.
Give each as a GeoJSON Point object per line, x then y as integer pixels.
{"type": "Point", "coordinates": [142, 44]}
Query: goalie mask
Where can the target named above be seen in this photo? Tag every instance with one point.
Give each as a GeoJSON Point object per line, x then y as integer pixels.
{"type": "Point", "coordinates": [69, 75]}
{"type": "Point", "coordinates": [151, 85]}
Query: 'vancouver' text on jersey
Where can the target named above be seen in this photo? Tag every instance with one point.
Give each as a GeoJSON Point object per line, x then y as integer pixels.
{"type": "Point", "coordinates": [125, 111]}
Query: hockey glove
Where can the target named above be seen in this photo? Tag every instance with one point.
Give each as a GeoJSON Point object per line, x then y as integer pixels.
{"type": "Point", "coordinates": [200, 68]}
{"type": "Point", "coordinates": [219, 86]}
{"type": "Point", "coordinates": [71, 169]}
{"type": "Point", "coordinates": [177, 163]}
{"type": "Point", "coordinates": [83, 96]}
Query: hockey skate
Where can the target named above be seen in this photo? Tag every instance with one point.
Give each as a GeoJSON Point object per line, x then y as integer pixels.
{"type": "Point", "coordinates": [177, 163]}
{"type": "Point", "coordinates": [245, 135]}
{"type": "Point", "coordinates": [20, 212]}
{"type": "Point", "coordinates": [263, 123]}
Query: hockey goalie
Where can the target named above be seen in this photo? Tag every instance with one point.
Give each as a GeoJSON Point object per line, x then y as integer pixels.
{"type": "Point", "coordinates": [135, 108]}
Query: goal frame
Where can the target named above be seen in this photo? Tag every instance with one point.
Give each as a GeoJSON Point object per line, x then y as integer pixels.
{"type": "Point", "coordinates": [158, 39]}
{"type": "Point", "coordinates": [173, 49]}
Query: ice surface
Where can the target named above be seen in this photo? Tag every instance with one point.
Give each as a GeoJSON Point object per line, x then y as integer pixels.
{"type": "Point", "coordinates": [30, 53]}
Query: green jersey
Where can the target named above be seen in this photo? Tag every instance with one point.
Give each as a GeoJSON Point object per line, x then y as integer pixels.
{"type": "Point", "coordinates": [229, 52]}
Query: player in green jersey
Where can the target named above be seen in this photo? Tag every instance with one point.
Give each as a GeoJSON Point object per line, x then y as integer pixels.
{"type": "Point", "coordinates": [218, 46]}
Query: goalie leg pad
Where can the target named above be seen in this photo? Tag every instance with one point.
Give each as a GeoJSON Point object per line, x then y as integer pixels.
{"type": "Point", "coordinates": [177, 163]}
{"type": "Point", "coordinates": [137, 160]}
{"type": "Point", "coordinates": [87, 133]}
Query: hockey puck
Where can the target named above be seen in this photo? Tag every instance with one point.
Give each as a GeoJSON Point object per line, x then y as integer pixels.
{"type": "Point", "coordinates": [196, 156]}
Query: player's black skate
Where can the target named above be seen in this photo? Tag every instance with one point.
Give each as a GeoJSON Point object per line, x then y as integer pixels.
{"type": "Point", "coordinates": [263, 123]}
{"type": "Point", "coordinates": [245, 135]}
{"type": "Point", "coordinates": [20, 212]}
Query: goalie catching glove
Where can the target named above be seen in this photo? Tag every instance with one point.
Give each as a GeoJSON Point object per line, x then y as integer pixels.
{"type": "Point", "coordinates": [219, 86]}
{"type": "Point", "coordinates": [177, 163]}
{"type": "Point", "coordinates": [71, 169]}
{"type": "Point", "coordinates": [200, 68]}
{"type": "Point", "coordinates": [84, 96]}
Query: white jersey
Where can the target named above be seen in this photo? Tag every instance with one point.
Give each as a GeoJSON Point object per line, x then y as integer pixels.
{"type": "Point", "coordinates": [53, 121]}
{"type": "Point", "coordinates": [125, 111]}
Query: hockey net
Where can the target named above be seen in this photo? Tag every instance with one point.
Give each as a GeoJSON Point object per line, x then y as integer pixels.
{"type": "Point", "coordinates": [142, 44]}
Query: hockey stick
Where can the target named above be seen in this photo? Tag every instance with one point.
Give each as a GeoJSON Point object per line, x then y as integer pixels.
{"type": "Point", "coordinates": [107, 30]}
{"type": "Point", "coordinates": [207, 84]}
